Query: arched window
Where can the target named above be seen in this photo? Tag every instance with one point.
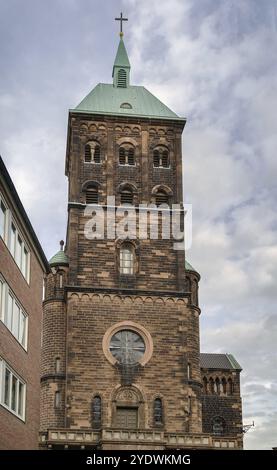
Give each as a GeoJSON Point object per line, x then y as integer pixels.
{"type": "Point", "coordinates": [126, 258]}
{"type": "Point", "coordinates": [57, 365]}
{"type": "Point", "coordinates": [57, 399]}
{"type": "Point", "coordinates": [87, 153]}
{"type": "Point", "coordinates": [160, 158]}
{"type": "Point", "coordinates": [126, 155]}
{"type": "Point", "coordinates": [126, 106]}
{"type": "Point", "coordinates": [217, 386]}
{"type": "Point", "coordinates": [126, 196]}
{"type": "Point", "coordinates": [131, 156]}
{"type": "Point", "coordinates": [92, 194]}
{"type": "Point", "coordinates": [161, 198]}
{"type": "Point", "coordinates": [224, 386]}
{"type": "Point", "coordinates": [96, 155]}
{"type": "Point", "coordinates": [122, 78]}
{"type": "Point", "coordinates": [158, 411]}
{"type": "Point", "coordinates": [156, 158]}
{"type": "Point", "coordinates": [189, 370]}
{"type": "Point", "coordinates": [230, 387]}
{"type": "Point", "coordinates": [205, 385]}
{"type": "Point", "coordinates": [122, 157]}
{"type": "Point", "coordinates": [92, 153]}
{"type": "Point", "coordinates": [165, 160]}
{"type": "Point", "coordinates": [218, 426]}
{"type": "Point", "coordinates": [211, 386]}
{"type": "Point", "coordinates": [96, 411]}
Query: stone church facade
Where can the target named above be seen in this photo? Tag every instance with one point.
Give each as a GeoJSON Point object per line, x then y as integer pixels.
{"type": "Point", "coordinates": [121, 363]}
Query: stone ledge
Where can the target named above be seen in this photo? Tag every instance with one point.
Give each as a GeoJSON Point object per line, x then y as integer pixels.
{"type": "Point", "coordinates": [135, 436]}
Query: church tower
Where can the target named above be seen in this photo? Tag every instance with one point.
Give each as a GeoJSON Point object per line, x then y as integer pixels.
{"type": "Point", "coordinates": [121, 359]}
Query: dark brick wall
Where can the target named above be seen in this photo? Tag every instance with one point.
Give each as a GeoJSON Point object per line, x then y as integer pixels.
{"type": "Point", "coordinates": [225, 404]}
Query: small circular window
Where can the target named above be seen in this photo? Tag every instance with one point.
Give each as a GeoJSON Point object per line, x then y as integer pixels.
{"type": "Point", "coordinates": [127, 343]}
{"type": "Point", "coordinates": [126, 106]}
{"type": "Point", "coordinates": [127, 347]}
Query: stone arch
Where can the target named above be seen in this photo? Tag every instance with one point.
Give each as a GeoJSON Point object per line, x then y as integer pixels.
{"type": "Point", "coordinates": [126, 140]}
{"type": "Point", "coordinates": [128, 398]}
{"type": "Point", "coordinates": [162, 187]}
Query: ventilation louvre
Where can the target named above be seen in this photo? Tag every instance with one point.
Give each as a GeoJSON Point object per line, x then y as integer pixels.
{"type": "Point", "coordinates": [122, 78]}
{"type": "Point", "coordinates": [87, 153]}
{"type": "Point", "coordinates": [92, 196]}
{"type": "Point", "coordinates": [131, 157]}
{"type": "Point", "coordinates": [96, 157]}
{"type": "Point", "coordinates": [126, 197]}
{"type": "Point", "coordinates": [161, 198]}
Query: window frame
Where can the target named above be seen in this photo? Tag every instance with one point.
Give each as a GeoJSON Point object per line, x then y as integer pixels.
{"type": "Point", "coordinates": [92, 190]}
{"type": "Point", "coordinates": [131, 261]}
{"type": "Point", "coordinates": [6, 293]}
{"type": "Point", "coordinates": [161, 151]}
{"type": "Point", "coordinates": [157, 422]}
{"type": "Point", "coordinates": [23, 247]}
{"type": "Point", "coordinates": [127, 148]}
{"type": "Point", "coordinates": [92, 160]}
{"type": "Point", "coordinates": [4, 366]}
{"type": "Point", "coordinates": [3, 203]}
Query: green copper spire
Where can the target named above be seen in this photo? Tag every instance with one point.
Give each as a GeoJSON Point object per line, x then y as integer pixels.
{"type": "Point", "coordinates": [60, 258]}
{"type": "Point", "coordinates": [121, 67]}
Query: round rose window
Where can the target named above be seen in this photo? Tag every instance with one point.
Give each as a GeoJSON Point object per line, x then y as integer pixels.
{"type": "Point", "coordinates": [127, 346]}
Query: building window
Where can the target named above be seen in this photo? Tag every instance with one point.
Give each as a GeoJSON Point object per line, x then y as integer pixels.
{"type": "Point", "coordinates": [126, 259]}
{"type": "Point", "coordinates": [58, 365]}
{"type": "Point", "coordinates": [126, 106]}
{"type": "Point", "coordinates": [127, 155]}
{"type": "Point", "coordinates": [230, 388]}
{"type": "Point", "coordinates": [224, 386]}
{"type": "Point", "coordinates": [12, 314]}
{"type": "Point", "coordinates": [189, 370]}
{"type": "Point", "coordinates": [92, 195]}
{"type": "Point", "coordinates": [161, 198]}
{"type": "Point", "coordinates": [122, 78]}
{"type": "Point", "coordinates": [3, 219]}
{"type": "Point", "coordinates": [205, 385]}
{"type": "Point", "coordinates": [12, 391]}
{"type": "Point", "coordinates": [92, 153]}
{"type": "Point", "coordinates": [126, 196]}
{"type": "Point", "coordinates": [158, 411]}
{"type": "Point", "coordinates": [218, 426]}
{"type": "Point", "coordinates": [127, 347]}
{"type": "Point", "coordinates": [57, 399]}
{"type": "Point", "coordinates": [19, 251]}
{"type": "Point", "coordinates": [96, 411]}
{"type": "Point", "coordinates": [160, 158]}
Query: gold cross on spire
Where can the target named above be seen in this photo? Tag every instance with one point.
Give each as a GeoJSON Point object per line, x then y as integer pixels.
{"type": "Point", "coordinates": [121, 19]}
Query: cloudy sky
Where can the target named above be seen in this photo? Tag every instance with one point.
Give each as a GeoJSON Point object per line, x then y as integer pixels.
{"type": "Point", "coordinates": [213, 61]}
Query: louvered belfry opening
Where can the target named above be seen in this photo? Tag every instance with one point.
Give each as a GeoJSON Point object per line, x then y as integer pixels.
{"type": "Point", "coordinates": [92, 195]}
{"type": "Point", "coordinates": [122, 78]}
{"type": "Point", "coordinates": [131, 156]}
{"type": "Point", "coordinates": [161, 198]}
{"type": "Point", "coordinates": [165, 160]}
{"type": "Point", "coordinates": [87, 153]}
{"type": "Point", "coordinates": [156, 158]}
{"type": "Point", "coordinates": [160, 158]}
{"type": "Point", "coordinates": [122, 156]}
{"type": "Point", "coordinates": [126, 156]}
{"type": "Point", "coordinates": [96, 156]}
{"type": "Point", "coordinates": [127, 196]}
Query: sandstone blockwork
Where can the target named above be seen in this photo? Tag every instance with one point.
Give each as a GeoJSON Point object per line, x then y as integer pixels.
{"type": "Point", "coordinates": [159, 400]}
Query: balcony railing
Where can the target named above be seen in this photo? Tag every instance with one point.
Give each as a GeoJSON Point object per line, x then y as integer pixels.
{"type": "Point", "coordinates": [83, 438]}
